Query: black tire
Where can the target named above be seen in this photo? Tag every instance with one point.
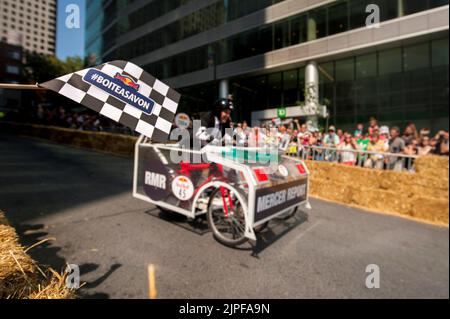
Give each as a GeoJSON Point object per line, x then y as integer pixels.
{"type": "Point", "coordinates": [288, 214]}
{"type": "Point", "coordinates": [220, 224]}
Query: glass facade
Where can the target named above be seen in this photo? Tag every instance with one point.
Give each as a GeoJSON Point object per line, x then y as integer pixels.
{"type": "Point", "coordinates": [94, 25]}
{"type": "Point", "coordinates": [202, 20]}
{"type": "Point", "coordinates": [331, 19]}
{"type": "Point", "coordinates": [407, 83]}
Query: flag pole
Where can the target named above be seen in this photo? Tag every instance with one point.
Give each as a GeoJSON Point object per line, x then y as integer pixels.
{"type": "Point", "coordinates": [13, 86]}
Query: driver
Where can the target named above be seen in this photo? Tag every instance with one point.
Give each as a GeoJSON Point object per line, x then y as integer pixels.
{"type": "Point", "coordinates": [216, 125]}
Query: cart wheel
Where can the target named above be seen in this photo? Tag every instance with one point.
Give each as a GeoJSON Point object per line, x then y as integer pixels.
{"type": "Point", "coordinates": [228, 228]}
{"type": "Point", "coordinates": [289, 214]}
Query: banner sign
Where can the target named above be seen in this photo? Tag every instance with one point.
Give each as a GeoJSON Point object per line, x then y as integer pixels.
{"type": "Point", "coordinates": [271, 200]}
{"type": "Point", "coordinates": [124, 93]}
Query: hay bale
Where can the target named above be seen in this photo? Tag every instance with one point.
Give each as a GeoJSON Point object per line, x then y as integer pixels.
{"type": "Point", "coordinates": [435, 166]}
{"type": "Point", "coordinates": [432, 209]}
{"type": "Point", "coordinates": [20, 276]}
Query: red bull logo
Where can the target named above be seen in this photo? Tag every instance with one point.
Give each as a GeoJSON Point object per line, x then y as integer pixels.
{"type": "Point", "coordinates": [182, 180]}
{"type": "Point", "coordinates": [127, 81]}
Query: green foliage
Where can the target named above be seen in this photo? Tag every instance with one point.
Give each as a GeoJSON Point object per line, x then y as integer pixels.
{"type": "Point", "coordinates": [41, 68]}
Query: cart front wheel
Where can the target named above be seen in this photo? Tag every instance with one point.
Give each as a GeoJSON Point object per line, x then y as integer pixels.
{"type": "Point", "coordinates": [226, 217]}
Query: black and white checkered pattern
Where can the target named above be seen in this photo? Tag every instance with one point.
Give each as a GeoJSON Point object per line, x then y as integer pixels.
{"type": "Point", "coordinates": [156, 126]}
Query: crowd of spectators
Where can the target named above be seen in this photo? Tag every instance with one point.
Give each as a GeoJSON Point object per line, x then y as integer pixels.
{"type": "Point", "coordinates": [369, 146]}
{"type": "Point", "coordinates": [84, 120]}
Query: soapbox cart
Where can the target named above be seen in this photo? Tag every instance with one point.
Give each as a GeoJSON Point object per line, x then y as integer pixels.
{"type": "Point", "coordinates": [239, 189]}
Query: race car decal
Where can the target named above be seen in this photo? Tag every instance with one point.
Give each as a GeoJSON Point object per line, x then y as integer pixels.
{"type": "Point", "coordinates": [182, 188]}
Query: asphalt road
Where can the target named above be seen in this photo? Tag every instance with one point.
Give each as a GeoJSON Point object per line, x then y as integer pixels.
{"type": "Point", "coordinates": [83, 199]}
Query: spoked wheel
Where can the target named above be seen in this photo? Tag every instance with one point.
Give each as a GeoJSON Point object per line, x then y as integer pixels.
{"type": "Point", "coordinates": [226, 217]}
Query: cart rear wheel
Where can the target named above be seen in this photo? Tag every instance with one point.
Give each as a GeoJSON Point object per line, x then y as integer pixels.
{"type": "Point", "coordinates": [289, 214]}
{"type": "Point", "coordinates": [226, 217]}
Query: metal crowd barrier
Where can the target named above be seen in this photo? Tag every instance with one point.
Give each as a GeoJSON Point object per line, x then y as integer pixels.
{"type": "Point", "coordinates": [374, 160]}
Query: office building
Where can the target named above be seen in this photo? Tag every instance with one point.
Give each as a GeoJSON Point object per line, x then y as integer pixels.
{"type": "Point", "coordinates": [268, 53]}
{"type": "Point", "coordinates": [30, 24]}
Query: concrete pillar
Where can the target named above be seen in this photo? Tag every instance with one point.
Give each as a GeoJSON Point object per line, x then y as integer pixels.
{"type": "Point", "coordinates": [400, 8]}
{"type": "Point", "coordinates": [312, 29]}
{"type": "Point", "coordinates": [224, 89]}
{"type": "Point", "coordinates": [312, 90]}
{"type": "Point", "coordinates": [312, 82]}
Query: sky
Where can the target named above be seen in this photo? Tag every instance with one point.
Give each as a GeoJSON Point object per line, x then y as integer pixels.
{"type": "Point", "coordinates": [69, 41]}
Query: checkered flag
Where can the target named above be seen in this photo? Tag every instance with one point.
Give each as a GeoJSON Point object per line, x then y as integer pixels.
{"type": "Point", "coordinates": [124, 93]}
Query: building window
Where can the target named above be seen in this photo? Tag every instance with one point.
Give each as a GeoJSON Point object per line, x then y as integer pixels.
{"type": "Point", "coordinates": [345, 70]}
{"type": "Point", "coordinates": [298, 29]}
{"type": "Point", "coordinates": [290, 87]}
{"type": "Point", "coordinates": [12, 69]}
{"type": "Point", "coordinates": [281, 35]}
{"type": "Point", "coordinates": [439, 52]}
{"type": "Point", "coordinates": [317, 24]}
{"type": "Point", "coordinates": [366, 66]}
{"type": "Point", "coordinates": [413, 6]}
{"type": "Point", "coordinates": [274, 88]}
{"type": "Point", "coordinates": [337, 18]}
{"type": "Point", "coordinates": [14, 55]}
{"type": "Point", "coordinates": [416, 57]}
{"type": "Point", "coordinates": [390, 61]}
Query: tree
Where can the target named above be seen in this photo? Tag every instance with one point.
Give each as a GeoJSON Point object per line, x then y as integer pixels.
{"type": "Point", "coordinates": [40, 68]}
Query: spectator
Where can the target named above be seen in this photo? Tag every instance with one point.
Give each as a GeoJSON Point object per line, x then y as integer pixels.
{"type": "Point", "coordinates": [240, 136]}
{"type": "Point", "coordinates": [384, 133]}
{"type": "Point", "coordinates": [379, 146]}
{"type": "Point", "coordinates": [349, 143]}
{"type": "Point", "coordinates": [425, 147]}
{"type": "Point", "coordinates": [359, 130]}
{"type": "Point", "coordinates": [284, 138]}
{"type": "Point", "coordinates": [441, 142]}
{"type": "Point", "coordinates": [341, 135]}
{"type": "Point", "coordinates": [413, 129]}
{"type": "Point", "coordinates": [331, 139]}
{"type": "Point", "coordinates": [411, 148]}
{"type": "Point", "coordinates": [424, 132]}
{"type": "Point", "coordinates": [408, 135]}
{"type": "Point", "coordinates": [373, 126]}
{"type": "Point", "coordinates": [363, 142]}
{"type": "Point", "coordinates": [396, 146]}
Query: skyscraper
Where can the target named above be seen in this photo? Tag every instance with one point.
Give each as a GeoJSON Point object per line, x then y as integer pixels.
{"type": "Point", "coordinates": [30, 24]}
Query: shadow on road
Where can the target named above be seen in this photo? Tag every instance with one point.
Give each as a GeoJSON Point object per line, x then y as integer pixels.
{"type": "Point", "coordinates": [47, 254]}
{"type": "Point", "coordinates": [275, 230]}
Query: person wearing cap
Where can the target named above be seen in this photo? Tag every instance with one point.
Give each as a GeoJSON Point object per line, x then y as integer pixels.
{"type": "Point", "coordinates": [331, 139]}
{"type": "Point", "coordinates": [215, 125]}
